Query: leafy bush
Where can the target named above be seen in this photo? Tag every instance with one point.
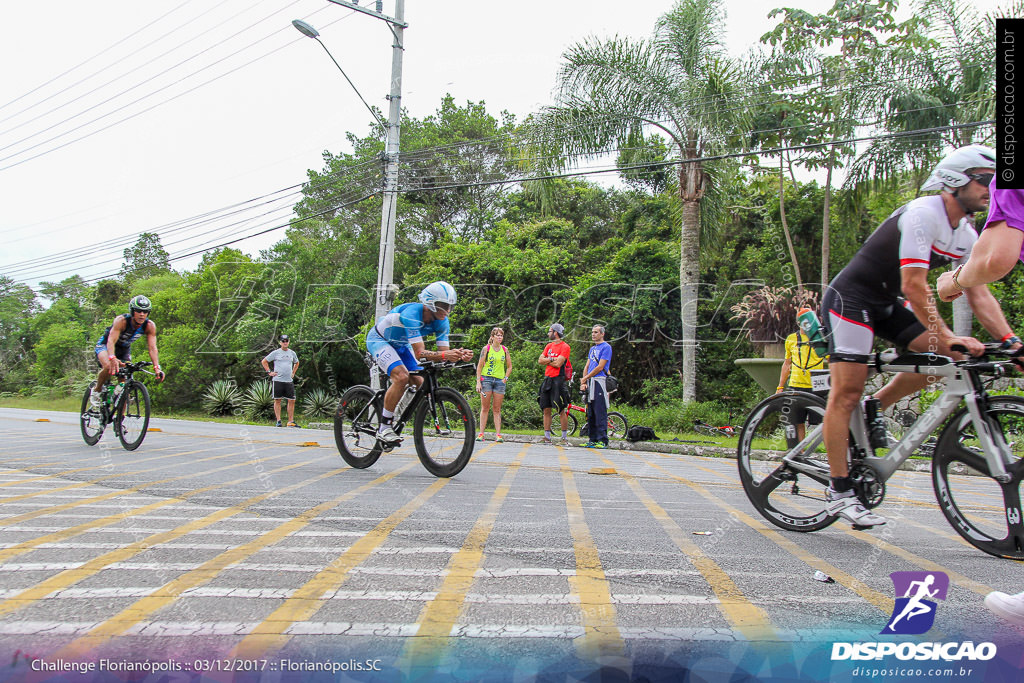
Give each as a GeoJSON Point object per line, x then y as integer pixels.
{"type": "Point", "coordinates": [258, 401]}
{"type": "Point", "coordinates": [222, 398]}
{"type": "Point", "coordinates": [769, 314]}
{"type": "Point", "coordinates": [318, 403]}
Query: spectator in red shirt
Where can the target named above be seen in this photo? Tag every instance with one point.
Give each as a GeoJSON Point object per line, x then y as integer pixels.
{"type": "Point", "coordinates": [554, 392]}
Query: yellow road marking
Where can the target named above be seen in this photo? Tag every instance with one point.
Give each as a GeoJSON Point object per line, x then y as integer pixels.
{"type": "Point", "coordinates": [438, 616]}
{"type": "Point", "coordinates": [601, 636]}
{"type": "Point", "coordinates": [746, 617]}
{"type": "Point", "coordinates": [880, 601]}
{"type": "Point", "coordinates": [57, 475]}
{"type": "Point", "coordinates": [172, 591]}
{"type": "Point", "coordinates": [15, 519]}
{"type": "Point", "coordinates": [69, 577]}
{"type": "Point", "coordinates": [269, 636]}
{"type": "Point", "coordinates": [82, 484]}
{"type": "Point", "coordinates": [924, 563]}
{"type": "Point", "coordinates": [57, 536]}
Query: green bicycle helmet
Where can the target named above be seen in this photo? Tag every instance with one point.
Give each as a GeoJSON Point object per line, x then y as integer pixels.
{"type": "Point", "coordinates": [140, 303]}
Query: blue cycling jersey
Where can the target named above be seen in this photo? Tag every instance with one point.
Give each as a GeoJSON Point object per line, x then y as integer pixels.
{"type": "Point", "coordinates": [404, 326]}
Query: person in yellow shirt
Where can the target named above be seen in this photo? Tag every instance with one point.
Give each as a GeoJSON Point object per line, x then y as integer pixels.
{"type": "Point", "coordinates": [492, 373]}
{"type": "Point", "coordinates": [800, 360]}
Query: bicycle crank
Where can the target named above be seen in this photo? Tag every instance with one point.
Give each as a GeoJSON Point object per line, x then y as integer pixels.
{"type": "Point", "coordinates": [869, 488]}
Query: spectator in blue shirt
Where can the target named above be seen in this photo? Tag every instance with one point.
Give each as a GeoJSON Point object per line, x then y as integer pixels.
{"type": "Point", "coordinates": [592, 384]}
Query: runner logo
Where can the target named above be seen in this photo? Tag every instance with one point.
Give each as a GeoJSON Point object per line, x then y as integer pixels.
{"type": "Point", "coordinates": [916, 592]}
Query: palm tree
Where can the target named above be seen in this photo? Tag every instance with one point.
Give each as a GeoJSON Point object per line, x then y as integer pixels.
{"type": "Point", "coordinates": [679, 83]}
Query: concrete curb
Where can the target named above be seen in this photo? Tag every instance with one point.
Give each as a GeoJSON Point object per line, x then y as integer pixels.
{"type": "Point", "coordinates": [668, 447]}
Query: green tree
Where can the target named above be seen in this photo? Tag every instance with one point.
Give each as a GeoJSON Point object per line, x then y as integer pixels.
{"type": "Point", "coordinates": [145, 258]}
{"type": "Point", "coordinates": [679, 83]}
{"type": "Point", "coordinates": [842, 51]}
{"type": "Point", "coordinates": [17, 305]}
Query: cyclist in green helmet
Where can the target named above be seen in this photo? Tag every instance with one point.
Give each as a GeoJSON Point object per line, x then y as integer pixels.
{"type": "Point", "coordinates": [115, 346]}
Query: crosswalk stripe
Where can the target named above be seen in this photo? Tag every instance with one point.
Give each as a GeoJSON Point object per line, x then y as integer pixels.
{"type": "Point", "coordinates": [749, 619]}
{"type": "Point", "coordinates": [438, 617]}
{"type": "Point", "coordinates": [171, 591]}
{"type": "Point", "coordinates": [72, 576]}
{"type": "Point", "coordinates": [601, 635]}
{"type": "Point", "coordinates": [271, 634]}
{"type": "Point", "coordinates": [54, 538]}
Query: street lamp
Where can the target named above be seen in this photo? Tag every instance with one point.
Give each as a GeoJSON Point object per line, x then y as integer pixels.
{"type": "Point", "coordinates": [386, 289]}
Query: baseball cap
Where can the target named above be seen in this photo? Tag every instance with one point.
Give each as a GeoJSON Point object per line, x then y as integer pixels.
{"type": "Point", "coordinates": [284, 337]}
{"type": "Point", "coordinates": [557, 329]}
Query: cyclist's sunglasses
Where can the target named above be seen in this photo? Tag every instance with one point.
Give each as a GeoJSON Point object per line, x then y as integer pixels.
{"type": "Point", "coordinates": [982, 178]}
{"type": "Point", "coordinates": [446, 307]}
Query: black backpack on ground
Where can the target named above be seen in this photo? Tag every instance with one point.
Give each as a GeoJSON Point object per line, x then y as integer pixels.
{"type": "Point", "coordinates": [638, 433]}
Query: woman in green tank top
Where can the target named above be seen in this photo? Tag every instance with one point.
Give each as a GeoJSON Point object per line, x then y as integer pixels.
{"type": "Point", "coordinates": [492, 372]}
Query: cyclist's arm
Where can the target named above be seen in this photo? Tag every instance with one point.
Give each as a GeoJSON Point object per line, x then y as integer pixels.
{"type": "Point", "coordinates": [994, 255]}
{"type": "Point", "coordinates": [151, 345]}
{"type": "Point", "coordinates": [988, 310]}
{"type": "Point", "coordinates": [916, 290]}
{"type": "Point", "coordinates": [115, 333]}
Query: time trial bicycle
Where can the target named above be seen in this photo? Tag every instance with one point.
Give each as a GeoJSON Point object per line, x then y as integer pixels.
{"type": "Point", "coordinates": [125, 405]}
{"type": "Point", "coordinates": [443, 423]}
{"type": "Point", "coordinates": [976, 462]}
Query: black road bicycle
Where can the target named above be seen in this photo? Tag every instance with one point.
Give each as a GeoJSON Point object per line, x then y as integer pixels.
{"type": "Point", "coordinates": [443, 423]}
{"type": "Point", "coordinates": [125, 404]}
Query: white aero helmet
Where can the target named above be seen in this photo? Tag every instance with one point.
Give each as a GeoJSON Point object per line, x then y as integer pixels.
{"type": "Point", "coordinates": [438, 292]}
{"type": "Point", "coordinates": [951, 172]}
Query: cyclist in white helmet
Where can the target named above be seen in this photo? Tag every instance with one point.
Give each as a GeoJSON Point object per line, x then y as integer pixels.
{"type": "Point", "coordinates": [862, 302]}
{"type": "Point", "coordinates": [396, 342]}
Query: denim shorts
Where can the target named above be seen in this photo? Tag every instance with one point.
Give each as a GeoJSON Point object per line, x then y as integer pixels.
{"type": "Point", "coordinates": [492, 385]}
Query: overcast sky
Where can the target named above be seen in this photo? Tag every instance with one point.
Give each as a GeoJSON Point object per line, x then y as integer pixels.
{"type": "Point", "coordinates": [123, 116]}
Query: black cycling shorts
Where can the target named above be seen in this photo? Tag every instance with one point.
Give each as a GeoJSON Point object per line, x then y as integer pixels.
{"type": "Point", "coordinates": [123, 355]}
{"type": "Point", "coordinates": [852, 319]}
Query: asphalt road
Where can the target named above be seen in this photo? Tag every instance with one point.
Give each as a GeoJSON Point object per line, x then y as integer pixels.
{"type": "Point", "coordinates": [224, 543]}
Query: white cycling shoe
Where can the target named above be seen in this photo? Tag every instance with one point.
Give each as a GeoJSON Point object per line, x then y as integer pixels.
{"type": "Point", "coordinates": [851, 509]}
{"type": "Point", "coordinates": [96, 399]}
{"type": "Point", "coordinates": [387, 436]}
{"type": "Point", "coordinates": [1009, 607]}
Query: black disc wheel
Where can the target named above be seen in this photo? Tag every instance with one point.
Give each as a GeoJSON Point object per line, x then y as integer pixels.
{"type": "Point", "coordinates": [444, 430]}
{"type": "Point", "coordinates": [131, 417]}
{"type": "Point", "coordinates": [91, 419]}
{"type": "Point", "coordinates": [785, 496]}
{"type": "Point", "coordinates": [355, 427]}
{"type": "Point", "coordinates": [985, 512]}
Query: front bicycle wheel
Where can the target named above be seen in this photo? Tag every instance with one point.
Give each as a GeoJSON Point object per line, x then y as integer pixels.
{"type": "Point", "coordinates": [132, 416]}
{"type": "Point", "coordinates": [355, 427]}
{"type": "Point", "coordinates": [786, 497]}
{"type": "Point", "coordinates": [443, 428]}
{"type": "Point", "coordinates": [985, 512]}
{"type": "Point", "coordinates": [91, 419]}
{"type": "Point", "coordinates": [617, 425]}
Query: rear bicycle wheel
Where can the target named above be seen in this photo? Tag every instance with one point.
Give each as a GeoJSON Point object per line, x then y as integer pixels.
{"type": "Point", "coordinates": [786, 497]}
{"type": "Point", "coordinates": [91, 419]}
{"type": "Point", "coordinates": [444, 429]}
{"type": "Point", "coordinates": [985, 512]}
{"type": "Point", "coordinates": [131, 419]}
{"type": "Point", "coordinates": [355, 427]}
{"type": "Point", "coordinates": [617, 425]}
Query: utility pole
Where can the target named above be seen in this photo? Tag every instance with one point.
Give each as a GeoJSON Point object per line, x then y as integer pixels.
{"type": "Point", "coordinates": [385, 291]}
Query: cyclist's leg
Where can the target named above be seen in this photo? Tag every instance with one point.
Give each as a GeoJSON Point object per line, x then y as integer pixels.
{"type": "Point", "coordinates": [905, 330]}
{"type": "Point", "coordinates": [102, 360]}
{"type": "Point", "coordinates": [851, 334]}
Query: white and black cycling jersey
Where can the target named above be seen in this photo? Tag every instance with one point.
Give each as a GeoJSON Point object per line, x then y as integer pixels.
{"type": "Point", "coordinates": [916, 235]}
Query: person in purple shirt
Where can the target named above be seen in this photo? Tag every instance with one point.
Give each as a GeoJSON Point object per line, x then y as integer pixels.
{"type": "Point", "coordinates": [998, 249]}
